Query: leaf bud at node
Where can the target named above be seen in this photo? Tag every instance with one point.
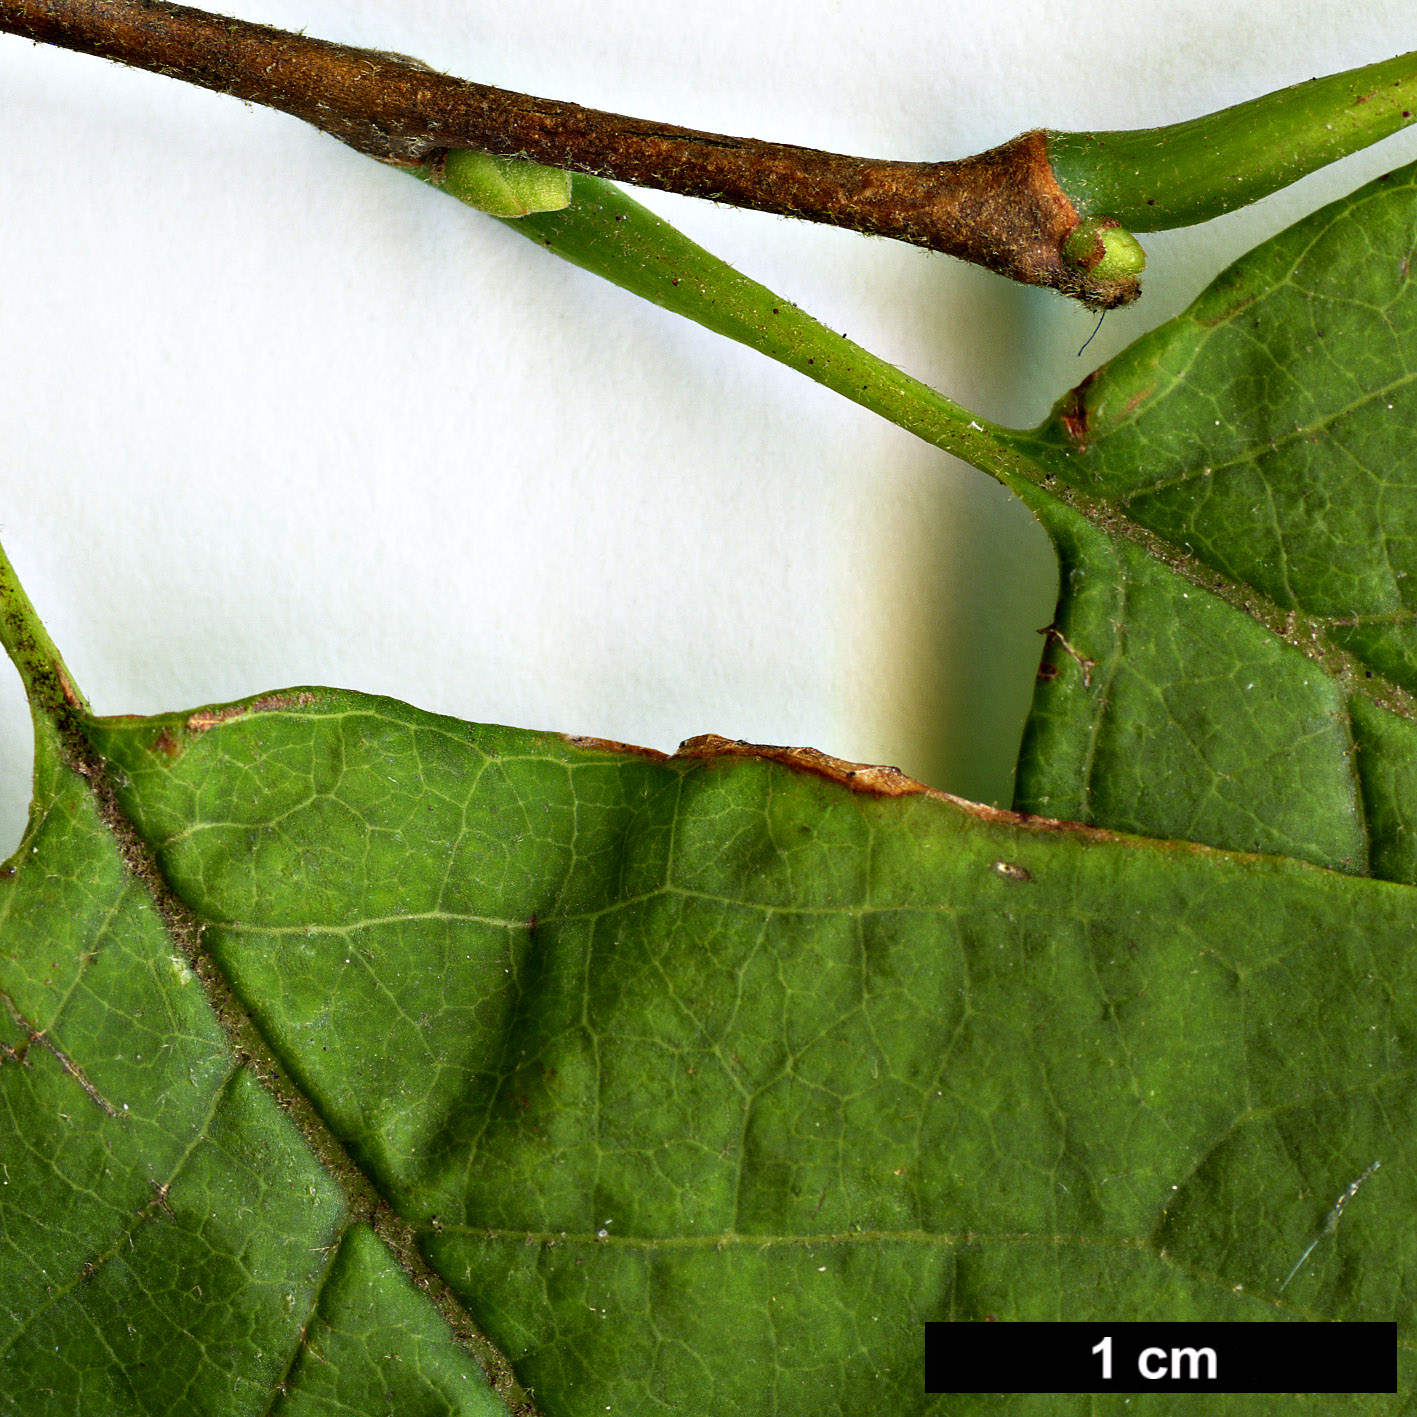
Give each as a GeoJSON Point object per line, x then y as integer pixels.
{"type": "Point", "coordinates": [504, 186]}
{"type": "Point", "coordinates": [1103, 248]}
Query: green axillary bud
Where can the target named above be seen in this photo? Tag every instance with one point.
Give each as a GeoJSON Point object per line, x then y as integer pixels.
{"type": "Point", "coordinates": [503, 186]}
{"type": "Point", "coordinates": [1104, 249]}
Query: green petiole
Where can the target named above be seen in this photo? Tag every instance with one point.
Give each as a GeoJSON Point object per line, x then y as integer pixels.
{"type": "Point", "coordinates": [1153, 179]}
{"type": "Point", "coordinates": [608, 233]}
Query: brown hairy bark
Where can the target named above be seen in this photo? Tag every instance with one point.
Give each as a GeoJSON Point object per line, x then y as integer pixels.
{"type": "Point", "coordinates": [1002, 209]}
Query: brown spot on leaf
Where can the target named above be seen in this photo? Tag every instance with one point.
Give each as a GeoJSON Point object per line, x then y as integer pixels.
{"type": "Point", "coordinates": [1084, 663]}
{"type": "Point", "coordinates": [1137, 399]}
{"type": "Point", "coordinates": [166, 743]}
{"type": "Point", "coordinates": [1074, 413]}
{"type": "Point", "coordinates": [879, 782]}
{"type": "Point", "coordinates": [204, 719]}
{"type": "Point", "coordinates": [860, 777]}
{"type": "Point", "coordinates": [66, 687]}
{"type": "Point", "coordinates": [610, 745]}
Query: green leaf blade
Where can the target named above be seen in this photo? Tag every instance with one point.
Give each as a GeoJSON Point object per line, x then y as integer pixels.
{"type": "Point", "coordinates": [788, 1037]}
{"type": "Point", "coordinates": [167, 1232]}
{"type": "Point", "coordinates": [1164, 710]}
{"type": "Point", "coordinates": [1251, 460]}
{"type": "Point", "coordinates": [1268, 430]}
{"type": "Point", "coordinates": [1387, 767]}
{"type": "Point", "coordinates": [376, 1345]}
{"type": "Point", "coordinates": [163, 1222]}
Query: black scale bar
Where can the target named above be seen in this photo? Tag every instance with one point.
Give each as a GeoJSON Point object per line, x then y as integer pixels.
{"type": "Point", "coordinates": [1160, 1357]}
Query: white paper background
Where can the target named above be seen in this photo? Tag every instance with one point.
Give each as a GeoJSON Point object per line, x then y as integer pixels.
{"type": "Point", "coordinates": [275, 414]}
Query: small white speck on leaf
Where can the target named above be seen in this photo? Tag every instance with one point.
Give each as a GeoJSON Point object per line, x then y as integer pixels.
{"type": "Point", "coordinates": [1011, 871]}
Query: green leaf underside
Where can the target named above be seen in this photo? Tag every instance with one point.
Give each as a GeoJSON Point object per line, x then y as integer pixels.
{"type": "Point", "coordinates": [821, 1064]}
{"type": "Point", "coordinates": [1269, 429]}
{"type": "Point", "coordinates": [164, 1230]}
{"type": "Point", "coordinates": [1170, 713]}
{"type": "Point", "coordinates": [1269, 435]}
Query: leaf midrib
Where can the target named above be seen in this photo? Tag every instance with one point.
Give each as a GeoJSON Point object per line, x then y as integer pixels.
{"type": "Point", "coordinates": [1297, 628]}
